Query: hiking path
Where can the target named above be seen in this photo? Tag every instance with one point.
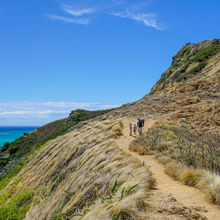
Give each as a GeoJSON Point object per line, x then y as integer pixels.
{"type": "Point", "coordinates": [188, 196]}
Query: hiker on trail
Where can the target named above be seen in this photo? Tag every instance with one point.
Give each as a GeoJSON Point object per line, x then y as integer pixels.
{"type": "Point", "coordinates": [130, 129]}
{"type": "Point", "coordinates": [140, 124]}
{"type": "Point", "coordinates": [134, 129]}
{"type": "Point", "coordinates": [185, 79]}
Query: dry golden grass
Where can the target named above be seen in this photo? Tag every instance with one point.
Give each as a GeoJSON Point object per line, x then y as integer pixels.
{"type": "Point", "coordinates": [74, 175]}
{"type": "Point", "coordinates": [173, 169]}
{"type": "Point", "coordinates": [163, 159]}
{"type": "Point", "coordinates": [210, 185]}
{"type": "Point", "coordinates": [139, 149]}
{"type": "Point", "coordinates": [165, 145]}
{"type": "Point", "coordinates": [133, 191]}
{"type": "Point", "coordinates": [190, 177]}
{"type": "Point", "coordinates": [206, 181]}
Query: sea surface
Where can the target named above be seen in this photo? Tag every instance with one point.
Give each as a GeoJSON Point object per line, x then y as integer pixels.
{"type": "Point", "coordinates": [9, 134]}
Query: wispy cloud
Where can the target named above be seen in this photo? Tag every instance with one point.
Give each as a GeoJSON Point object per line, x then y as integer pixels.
{"type": "Point", "coordinates": [82, 14]}
{"type": "Point", "coordinates": [148, 19]}
{"type": "Point", "coordinates": [70, 20]}
{"type": "Point", "coordinates": [37, 113]}
{"type": "Point", "coordinates": [31, 113]}
{"type": "Point", "coordinates": [79, 15]}
{"type": "Point", "coordinates": [78, 12]}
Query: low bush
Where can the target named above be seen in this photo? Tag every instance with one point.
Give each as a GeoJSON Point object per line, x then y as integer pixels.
{"type": "Point", "coordinates": [4, 147]}
{"type": "Point", "coordinates": [17, 207]}
{"type": "Point", "coordinates": [201, 57]}
{"type": "Point", "coordinates": [190, 177]}
{"type": "Point", "coordinates": [136, 146]}
{"type": "Point", "coordinates": [198, 68]}
{"type": "Point", "coordinates": [173, 169]}
{"type": "Point", "coordinates": [180, 78]}
{"type": "Point", "coordinates": [192, 148]}
{"type": "Point", "coordinates": [206, 181]}
{"type": "Point", "coordinates": [164, 145]}
{"type": "Point", "coordinates": [163, 159]}
{"type": "Point", "coordinates": [4, 180]}
{"type": "Point", "coordinates": [184, 51]}
{"type": "Point", "coordinates": [206, 53]}
{"type": "Point", "coordinates": [210, 185]}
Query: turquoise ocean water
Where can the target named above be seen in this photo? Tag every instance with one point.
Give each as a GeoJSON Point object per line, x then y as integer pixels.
{"type": "Point", "coordinates": [9, 134]}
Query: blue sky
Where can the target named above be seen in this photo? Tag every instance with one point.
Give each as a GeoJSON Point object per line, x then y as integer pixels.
{"type": "Point", "coordinates": [57, 55]}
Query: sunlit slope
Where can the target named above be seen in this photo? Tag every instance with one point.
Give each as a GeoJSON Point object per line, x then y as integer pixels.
{"type": "Point", "coordinates": [194, 62]}
{"type": "Point", "coordinates": [15, 154]}
{"type": "Point", "coordinates": [84, 170]}
{"type": "Point", "coordinates": [86, 173]}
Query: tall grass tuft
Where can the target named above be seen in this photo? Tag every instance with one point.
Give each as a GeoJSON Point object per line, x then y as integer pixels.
{"type": "Point", "coordinates": [190, 177]}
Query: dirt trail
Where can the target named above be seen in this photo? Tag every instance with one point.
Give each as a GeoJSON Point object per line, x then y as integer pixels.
{"type": "Point", "coordinates": [185, 195]}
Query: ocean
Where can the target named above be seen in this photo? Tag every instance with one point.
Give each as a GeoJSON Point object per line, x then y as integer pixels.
{"type": "Point", "coordinates": [9, 134]}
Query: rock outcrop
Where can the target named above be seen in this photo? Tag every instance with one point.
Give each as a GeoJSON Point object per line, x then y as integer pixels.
{"type": "Point", "coordinates": [192, 62]}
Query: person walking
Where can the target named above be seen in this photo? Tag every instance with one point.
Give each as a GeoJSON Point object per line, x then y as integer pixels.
{"type": "Point", "coordinates": [140, 125]}
{"type": "Point", "coordinates": [134, 129]}
{"type": "Point", "coordinates": [130, 129]}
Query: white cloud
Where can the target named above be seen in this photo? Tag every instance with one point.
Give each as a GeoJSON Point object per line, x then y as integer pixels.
{"type": "Point", "coordinates": [127, 9]}
{"type": "Point", "coordinates": [77, 12]}
{"type": "Point", "coordinates": [45, 109]}
{"type": "Point", "coordinates": [77, 15]}
{"type": "Point", "coordinates": [73, 105]}
{"type": "Point", "coordinates": [148, 19]}
{"type": "Point", "coordinates": [33, 113]}
{"type": "Point", "coordinates": [84, 21]}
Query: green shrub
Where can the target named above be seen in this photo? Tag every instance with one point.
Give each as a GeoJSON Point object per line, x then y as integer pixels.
{"type": "Point", "coordinates": [4, 147]}
{"type": "Point", "coordinates": [184, 67]}
{"type": "Point", "coordinates": [201, 57]}
{"type": "Point", "coordinates": [3, 161]}
{"type": "Point", "coordinates": [180, 78]}
{"type": "Point", "coordinates": [198, 68]}
{"type": "Point", "coordinates": [206, 53]}
{"type": "Point", "coordinates": [13, 149]}
{"type": "Point", "coordinates": [4, 180]}
{"type": "Point", "coordinates": [17, 207]}
{"type": "Point", "coordinates": [184, 52]}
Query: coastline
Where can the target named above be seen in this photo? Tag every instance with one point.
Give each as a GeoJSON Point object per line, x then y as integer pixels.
{"type": "Point", "coordinates": [11, 133]}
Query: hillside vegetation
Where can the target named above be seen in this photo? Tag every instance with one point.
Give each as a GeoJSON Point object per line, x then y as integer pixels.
{"type": "Point", "coordinates": [93, 169]}
{"type": "Point", "coordinates": [190, 62]}
{"type": "Point", "coordinates": [13, 156]}
{"type": "Point", "coordinates": [83, 174]}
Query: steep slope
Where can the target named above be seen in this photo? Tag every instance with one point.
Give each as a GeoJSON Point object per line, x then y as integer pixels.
{"type": "Point", "coordinates": [95, 171]}
{"type": "Point", "coordinates": [86, 174]}
{"type": "Point", "coordinates": [193, 61]}
{"type": "Point", "coordinates": [16, 152]}
{"type": "Point", "coordinates": [80, 170]}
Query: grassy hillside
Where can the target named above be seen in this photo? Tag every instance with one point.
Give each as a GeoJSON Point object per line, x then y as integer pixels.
{"type": "Point", "coordinates": [77, 169]}
{"type": "Point", "coordinates": [80, 174]}
{"type": "Point", "coordinates": [15, 155]}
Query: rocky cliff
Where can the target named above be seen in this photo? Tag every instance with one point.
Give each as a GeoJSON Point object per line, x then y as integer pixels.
{"type": "Point", "coordinates": [192, 62]}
